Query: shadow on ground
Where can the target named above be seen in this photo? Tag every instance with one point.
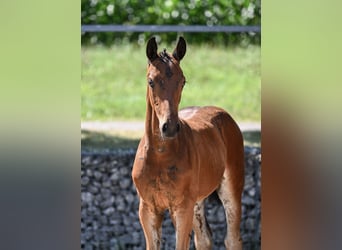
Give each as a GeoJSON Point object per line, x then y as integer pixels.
{"type": "Point", "coordinates": [98, 141]}
{"type": "Point", "coordinates": [252, 138]}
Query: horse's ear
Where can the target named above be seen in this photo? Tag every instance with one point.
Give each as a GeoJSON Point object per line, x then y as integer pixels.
{"type": "Point", "coordinates": [180, 50]}
{"type": "Point", "coordinates": [151, 49]}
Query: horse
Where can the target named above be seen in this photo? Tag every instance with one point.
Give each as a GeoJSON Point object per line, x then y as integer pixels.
{"type": "Point", "coordinates": [183, 157]}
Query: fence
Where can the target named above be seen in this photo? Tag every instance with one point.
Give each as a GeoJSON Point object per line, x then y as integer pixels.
{"type": "Point", "coordinates": [170, 28]}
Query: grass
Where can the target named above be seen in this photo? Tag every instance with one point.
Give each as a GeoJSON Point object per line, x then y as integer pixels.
{"type": "Point", "coordinates": [114, 84]}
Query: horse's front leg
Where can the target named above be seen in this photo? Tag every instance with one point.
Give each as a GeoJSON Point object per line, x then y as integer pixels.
{"type": "Point", "coordinates": [151, 221]}
{"type": "Point", "coordinates": [182, 218]}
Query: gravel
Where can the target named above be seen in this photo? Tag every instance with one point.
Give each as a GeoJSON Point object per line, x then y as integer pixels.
{"type": "Point", "coordinates": [109, 205]}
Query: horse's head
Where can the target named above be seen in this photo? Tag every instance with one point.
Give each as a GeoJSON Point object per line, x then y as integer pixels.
{"type": "Point", "coordinates": [166, 80]}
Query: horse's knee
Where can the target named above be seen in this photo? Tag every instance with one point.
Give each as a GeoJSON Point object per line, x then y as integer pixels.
{"type": "Point", "coordinates": [203, 243]}
{"type": "Point", "coordinates": [202, 235]}
{"type": "Point", "coordinates": [233, 244]}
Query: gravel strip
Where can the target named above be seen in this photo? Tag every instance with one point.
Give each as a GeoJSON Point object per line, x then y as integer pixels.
{"type": "Point", "coordinates": [109, 205]}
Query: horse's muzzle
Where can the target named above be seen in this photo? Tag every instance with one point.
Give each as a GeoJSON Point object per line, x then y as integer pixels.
{"type": "Point", "coordinates": [169, 129]}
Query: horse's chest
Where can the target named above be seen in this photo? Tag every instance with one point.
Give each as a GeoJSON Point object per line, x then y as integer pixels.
{"type": "Point", "coordinates": [162, 185]}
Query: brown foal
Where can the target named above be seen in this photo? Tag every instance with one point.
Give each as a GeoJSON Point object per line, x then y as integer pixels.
{"type": "Point", "coordinates": [183, 157]}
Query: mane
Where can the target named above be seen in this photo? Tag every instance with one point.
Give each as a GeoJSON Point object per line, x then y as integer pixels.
{"type": "Point", "coordinates": [164, 56]}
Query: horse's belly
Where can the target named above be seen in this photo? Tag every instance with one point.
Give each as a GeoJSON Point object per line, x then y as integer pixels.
{"type": "Point", "coordinates": [212, 159]}
{"type": "Point", "coordinates": [210, 177]}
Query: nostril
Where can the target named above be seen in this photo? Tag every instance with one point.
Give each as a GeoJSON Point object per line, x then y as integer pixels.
{"type": "Point", "coordinates": [177, 127]}
{"type": "Point", "coordinates": [164, 128]}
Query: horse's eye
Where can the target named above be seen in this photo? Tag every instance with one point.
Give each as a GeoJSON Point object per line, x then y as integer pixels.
{"type": "Point", "coordinates": [151, 83]}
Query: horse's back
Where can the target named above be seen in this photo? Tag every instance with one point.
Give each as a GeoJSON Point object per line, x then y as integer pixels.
{"type": "Point", "coordinates": [211, 120]}
{"type": "Point", "coordinates": [207, 116]}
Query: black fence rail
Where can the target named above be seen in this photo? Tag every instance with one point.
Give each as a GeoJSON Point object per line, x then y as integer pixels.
{"type": "Point", "coordinates": [170, 28]}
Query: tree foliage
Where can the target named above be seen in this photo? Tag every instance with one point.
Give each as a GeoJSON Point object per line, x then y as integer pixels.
{"type": "Point", "coordinates": [171, 12]}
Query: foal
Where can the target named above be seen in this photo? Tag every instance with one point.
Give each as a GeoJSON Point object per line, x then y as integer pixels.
{"type": "Point", "coordinates": [183, 157]}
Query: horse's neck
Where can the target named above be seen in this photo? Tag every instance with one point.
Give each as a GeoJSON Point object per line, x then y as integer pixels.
{"type": "Point", "coordinates": [153, 138]}
{"type": "Point", "coordinates": [151, 123]}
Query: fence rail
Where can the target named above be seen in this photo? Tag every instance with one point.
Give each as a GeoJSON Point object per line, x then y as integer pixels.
{"type": "Point", "coordinates": [169, 28]}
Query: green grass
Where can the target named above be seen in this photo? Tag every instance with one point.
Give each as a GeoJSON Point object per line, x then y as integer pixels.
{"type": "Point", "coordinates": [114, 82]}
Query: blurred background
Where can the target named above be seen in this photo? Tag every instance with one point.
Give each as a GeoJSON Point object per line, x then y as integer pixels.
{"type": "Point", "coordinates": [221, 68]}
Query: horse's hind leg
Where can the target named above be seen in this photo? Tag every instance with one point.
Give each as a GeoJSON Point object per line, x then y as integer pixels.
{"type": "Point", "coordinates": [230, 192]}
{"type": "Point", "coordinates": [201, 228]}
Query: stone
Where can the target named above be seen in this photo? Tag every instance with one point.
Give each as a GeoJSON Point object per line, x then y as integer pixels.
{"type": "Point", "coordinates": [125, 239]}
{"type": "Point", "coordinates": [115, 176]}
{"type": "Point", "coordinates": [221, 217]}
{"type": "Point", "coordinates": [89, 172]}
{"type": "Point", "coordinates": [95, 225]}
{"type": "Point", "coordinates": [252, 191]}
{"type": "Point", "coordinates": [88, 247]}
{"type": "Point", "coordinates": [118, 229]}
{"type": "Point", "coordinates": [248, 200]}
{"type": "Point", "coordinates": [88, 234]}
{"type": "Point", "coordinates": [137, 225]}
{"type": "Point", "coordinates": [107, 183]}
{"type": "Point", "coordinates": [249, 182]}
{"type": "Point", "coordinates": [138, 248]}
{"type": "Point", "coordinates": [97, 184]}
{"type": "Point", "coordinates": [93, 189]}
{"type": "Point", "coordinates": [250, 224]}
{"type": "Point", "coordinates": [106, 193]}
{"type": "Point", "coordinates": [97, 175]}
{"type": "Point", "coordinates": [109, 211]}
{"type": "Point", "coordinates": [86, 161]}
{"type": "Point", "coordinates": [108, 202]}
{"type": "Point", "coordinates": [114, 244]}
{"type": "Point", "coordinates": [130, 198]}
{"type": "Point", "coordinates": [124, 171]}
{"type": "Point", "coordinates": [84, 180]}
{"type": "Point", "coordinates": [135, 238]}
{"type": "Point", "coordinates": [86, 197]}
{"type": "Point", "coordinates": [125, 183]}
{"type": "Point", "coordinates": [103, 220]}
{"type": "Point", "coordinates": [97, 161]}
